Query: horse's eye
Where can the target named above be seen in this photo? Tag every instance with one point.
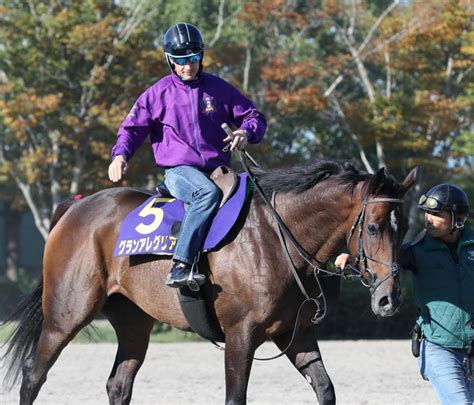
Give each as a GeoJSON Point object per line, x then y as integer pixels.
{"type": "Point", "coordinates": [372, 229]}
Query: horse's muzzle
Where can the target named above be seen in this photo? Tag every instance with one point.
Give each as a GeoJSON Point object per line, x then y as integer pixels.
{"type": "Point", "coordinates": [386, 302]}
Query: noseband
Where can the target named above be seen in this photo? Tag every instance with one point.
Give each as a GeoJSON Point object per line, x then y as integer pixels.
{"type": "Point", "coordinates": [283, 231]}
{"type": "Point", "coordinates": [362, 258]}
{"type": "Point", "coordinates": [318, 267]}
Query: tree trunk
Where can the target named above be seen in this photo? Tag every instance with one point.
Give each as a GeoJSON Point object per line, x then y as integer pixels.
{"type": "Point", "coordinates": [12, 243]}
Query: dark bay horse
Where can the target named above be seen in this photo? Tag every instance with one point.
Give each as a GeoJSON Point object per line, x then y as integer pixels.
{"type": "Point", "coordinates": [255, 296]}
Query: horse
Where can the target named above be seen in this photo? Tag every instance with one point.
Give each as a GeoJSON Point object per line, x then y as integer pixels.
{"type": "Point", "coordinates": [325, 205]}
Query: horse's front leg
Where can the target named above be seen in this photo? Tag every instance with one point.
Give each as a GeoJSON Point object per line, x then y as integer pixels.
{"type": "Point", "coordinates": [305, 355]}
{"type": "Point", "coordinates": [240, 345]}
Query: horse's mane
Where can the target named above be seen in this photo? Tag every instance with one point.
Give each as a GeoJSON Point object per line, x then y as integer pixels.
{"type": "Point", "coordinates": [300, 178]}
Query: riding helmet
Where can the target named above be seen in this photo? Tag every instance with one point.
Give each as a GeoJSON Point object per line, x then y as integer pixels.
{"type": "Point", "coordinates": [445, 197]}
{"type": "Point", "coordinates": [182, 39]}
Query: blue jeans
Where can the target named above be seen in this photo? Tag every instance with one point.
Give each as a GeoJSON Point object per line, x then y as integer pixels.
{"type": "Point", "coordinates": [196, 189]}
{"type": "Point", "coordinates": [445, 369]}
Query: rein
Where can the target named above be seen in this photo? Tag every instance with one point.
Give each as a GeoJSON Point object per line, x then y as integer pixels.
{"type": "Point", "coordinates": [283, 231]}
{"type": "Point", "coordinates": [362, 257]}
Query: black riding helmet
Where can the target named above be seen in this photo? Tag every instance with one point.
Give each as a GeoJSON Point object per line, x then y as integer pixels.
{"type": "Point", "coordinates": [182, 39]}
{"type": "Point", "coordinates": [446, 197]}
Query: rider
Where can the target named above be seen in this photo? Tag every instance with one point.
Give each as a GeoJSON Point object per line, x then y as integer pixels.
{"type": "Point", "coordinates": [183, 113]}
{"type": "Point", "coordinates": [442, 261]}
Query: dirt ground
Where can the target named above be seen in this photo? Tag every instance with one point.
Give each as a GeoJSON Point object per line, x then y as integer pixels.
{"type": "Point", "coordinates": [363, 372]}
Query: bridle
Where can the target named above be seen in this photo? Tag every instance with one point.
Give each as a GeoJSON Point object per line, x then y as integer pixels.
{"type": "Point", "coordinates": [362, 258]}
{"type": "Point", "coordinates": [283, 231]}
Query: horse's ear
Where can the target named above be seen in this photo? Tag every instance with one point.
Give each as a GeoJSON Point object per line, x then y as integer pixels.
{"type": "Point", "coordinates": [410, 179]}
{"type": "Point", "coordinates": [377, 181]}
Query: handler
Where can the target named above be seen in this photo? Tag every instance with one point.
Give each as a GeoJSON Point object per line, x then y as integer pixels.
{"type": "Point", "coordinates": [183, 113]}
{"type": "Point", "coordinates": [442, 261]}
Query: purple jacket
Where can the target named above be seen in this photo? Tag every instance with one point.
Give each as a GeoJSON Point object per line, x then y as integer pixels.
{"type": "Point", "coordinates": [184, 122]}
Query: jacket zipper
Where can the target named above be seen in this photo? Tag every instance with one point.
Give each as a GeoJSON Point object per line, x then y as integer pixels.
{"type": "Point", "coordinates": [194, 119]}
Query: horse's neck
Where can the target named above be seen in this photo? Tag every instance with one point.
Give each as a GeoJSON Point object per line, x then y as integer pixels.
{"type": "Point", "coordinates": [319, 220]}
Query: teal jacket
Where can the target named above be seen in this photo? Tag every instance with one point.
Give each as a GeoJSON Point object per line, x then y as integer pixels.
{"type": "Point", "coordinates": [444, 288]}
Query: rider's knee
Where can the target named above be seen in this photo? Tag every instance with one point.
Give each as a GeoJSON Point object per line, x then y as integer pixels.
{"type": "Point", "coordinates": [209, 193]}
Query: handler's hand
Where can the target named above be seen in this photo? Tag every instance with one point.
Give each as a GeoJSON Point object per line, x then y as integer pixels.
{"type": "Point", "coordinates": [239, 140]}
{"type": "Point", "coordinates": [117, 168]}
{"type": "Point", "coordinates": [343, 260]}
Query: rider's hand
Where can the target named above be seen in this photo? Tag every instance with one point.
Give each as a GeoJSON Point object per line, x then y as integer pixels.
{"type": "Point", "coordinates": [239, 139]}
{"type": "Point", "coordinates": [117, 168]}
{"type": "Point", "coordinates": [343, 260]}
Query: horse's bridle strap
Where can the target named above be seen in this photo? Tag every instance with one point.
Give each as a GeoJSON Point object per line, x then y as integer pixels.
{"type": "Point", "coordinates": [362, 257]}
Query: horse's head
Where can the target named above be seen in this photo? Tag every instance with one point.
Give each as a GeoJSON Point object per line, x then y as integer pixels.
{"type": "Point", "coordinates": [375, 237]}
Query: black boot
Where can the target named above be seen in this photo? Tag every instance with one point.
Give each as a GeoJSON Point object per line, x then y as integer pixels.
{"type": "Point", "coordinates": [179, 274]}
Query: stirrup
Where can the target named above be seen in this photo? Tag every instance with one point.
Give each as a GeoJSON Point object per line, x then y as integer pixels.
{"type": "Point", "coordinates": [195, 280]}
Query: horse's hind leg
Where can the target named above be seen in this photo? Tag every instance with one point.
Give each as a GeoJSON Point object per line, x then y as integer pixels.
{"type": "Point", "coordinates": [67, 307]}
{"type": "Point", "coordinates": [305, 355]}
{"type": "Point", "coordinates": [133, 327]}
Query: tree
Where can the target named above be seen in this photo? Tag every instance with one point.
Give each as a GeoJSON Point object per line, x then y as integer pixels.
{"type": "Point", "coordinates": [383, 83]}
{"type": "Point", "coordinates": [66, 76]}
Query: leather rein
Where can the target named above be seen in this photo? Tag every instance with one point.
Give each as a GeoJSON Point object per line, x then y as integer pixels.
{"type": "Point", "coordinates": [362, 258]}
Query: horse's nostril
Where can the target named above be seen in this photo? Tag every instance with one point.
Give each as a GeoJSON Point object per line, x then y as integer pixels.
{"type": "Point", "coordinates": [384, 301]}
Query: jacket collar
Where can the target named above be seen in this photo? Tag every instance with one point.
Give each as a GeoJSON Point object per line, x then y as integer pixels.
{"type": "Point", "coordinates": [467, 238]}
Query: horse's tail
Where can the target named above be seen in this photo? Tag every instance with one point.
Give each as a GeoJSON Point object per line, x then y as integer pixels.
{"type": "Point", "coordinates": [28, 320]}
{"type": "Point", "coordinates": [59, 211]}
{"type": "Point", "coordinates": [24, 337]}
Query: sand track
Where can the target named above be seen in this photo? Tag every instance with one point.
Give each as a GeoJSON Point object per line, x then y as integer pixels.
{"type": "Point", "coordinates": [363, 372]}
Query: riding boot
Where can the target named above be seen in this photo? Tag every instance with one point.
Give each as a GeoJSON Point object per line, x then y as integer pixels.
{"type": "Point", "coordinates": [179, 274]}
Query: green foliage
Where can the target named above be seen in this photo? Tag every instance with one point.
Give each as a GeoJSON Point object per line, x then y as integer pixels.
{"type": "Point", "coordinates": [70, 74]}
{"type": "Point", "coordinates": [11, 291]}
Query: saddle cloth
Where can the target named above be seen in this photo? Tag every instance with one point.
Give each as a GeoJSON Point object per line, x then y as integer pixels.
{"type": "Point", "coordinates": [153, 227]}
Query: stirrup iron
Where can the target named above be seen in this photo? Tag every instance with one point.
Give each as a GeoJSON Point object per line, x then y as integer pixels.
{"type": "Point", "coordinates": [195, 280]}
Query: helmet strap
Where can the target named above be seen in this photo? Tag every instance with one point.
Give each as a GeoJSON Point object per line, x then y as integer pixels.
{"type": "Point", "coordinates": [457, 222]}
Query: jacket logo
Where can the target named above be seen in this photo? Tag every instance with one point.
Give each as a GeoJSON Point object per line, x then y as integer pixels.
{"type": "Point", "coordinates": [207, 105]}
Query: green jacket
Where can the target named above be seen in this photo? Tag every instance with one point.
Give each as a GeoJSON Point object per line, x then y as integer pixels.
{"type": "Point", "coordinates": [444, 288]}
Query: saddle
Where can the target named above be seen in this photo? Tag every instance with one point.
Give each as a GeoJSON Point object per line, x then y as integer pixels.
{"type": "Point", "coordinates": [224, 177]}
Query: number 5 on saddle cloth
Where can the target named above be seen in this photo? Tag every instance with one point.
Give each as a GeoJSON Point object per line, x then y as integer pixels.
{"type": "Point", "coordinates": [153, 227]}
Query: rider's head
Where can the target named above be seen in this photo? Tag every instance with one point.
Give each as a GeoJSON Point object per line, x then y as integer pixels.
{"type": "Point", "coordinates": [184, 49]}
{"type": "Point", "coordinates": [447, 198]}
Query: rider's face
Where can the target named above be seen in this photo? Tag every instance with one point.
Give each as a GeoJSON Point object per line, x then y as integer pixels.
{"type": "Point", "coordinates": [187, 71]}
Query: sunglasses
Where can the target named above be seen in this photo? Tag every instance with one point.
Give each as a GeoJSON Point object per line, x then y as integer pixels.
{"type": "Point", "coordinates": [429, 202]}
{"type": "Point", "coordinates": [184, 60]}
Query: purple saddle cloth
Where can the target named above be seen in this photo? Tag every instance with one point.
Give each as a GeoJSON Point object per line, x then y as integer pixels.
{"type": "Point", "coordinates": [152, 228]}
